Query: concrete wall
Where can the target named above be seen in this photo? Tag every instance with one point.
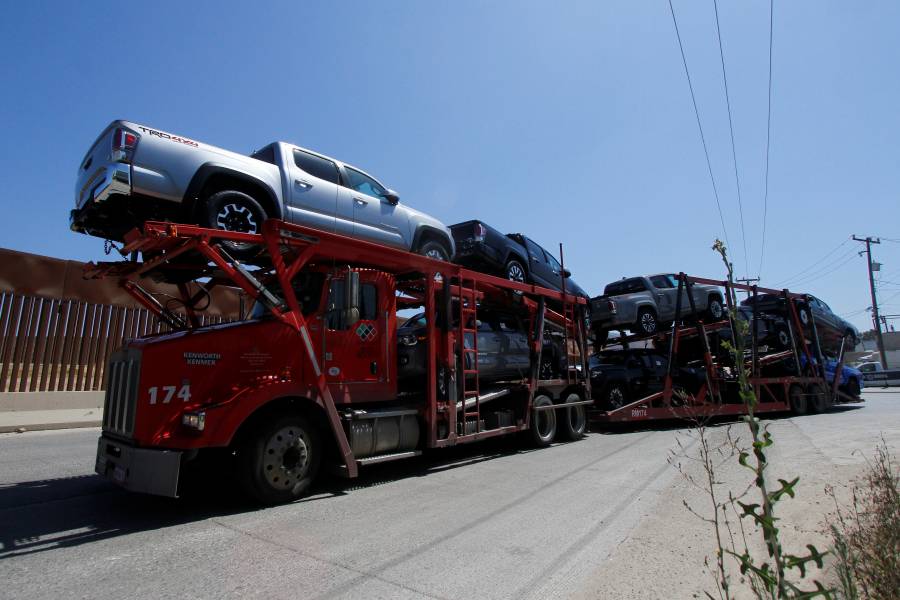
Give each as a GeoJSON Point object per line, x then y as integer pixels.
{"type": "Point", "coordinates": [21, 401]}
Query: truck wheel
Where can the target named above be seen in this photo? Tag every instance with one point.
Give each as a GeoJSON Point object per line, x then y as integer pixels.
{"type": "Point", "coordinates": [434, 249]}
{"type": "Point", "coordinates": [803, 314]}
{"type": "Point", "coordinates": [782, 337]}
{"type": "Point", "coordinates": [574, 419]}
{"type": "Point", "coordinates": [646, 322]}
{"type": "Point", "coordinates": [600, 337]}
{"type": "Point", "coordinates": [797, 399]}
{"type": "Point", "coordinates": [615, 396]}
{"type": "Point", "coordinates": [543, 422]}
{"type": "Point", "coordinates": [818, 397]}
{"type": "Point", "coordinates": [234, 211]}
{"type": "Point", "coordinates": [279, 459]}
{"type": "Point", "coordinates": [514, 271]}
{"type": "Point", "coordinates": [714, 308]}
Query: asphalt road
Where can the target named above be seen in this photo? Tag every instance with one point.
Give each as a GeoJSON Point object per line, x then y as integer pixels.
{"type": "Point", "coordinates": [495, 521]}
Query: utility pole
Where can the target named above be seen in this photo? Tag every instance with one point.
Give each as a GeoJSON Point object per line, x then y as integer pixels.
{"type": "Point", "coordinates": [748, 281]}
{"type": "Point", "coordinates": [869, 241]}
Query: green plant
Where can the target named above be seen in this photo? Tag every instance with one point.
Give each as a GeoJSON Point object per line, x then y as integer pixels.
{"type": "Point", "coordinates": [866, 534]}
{"type": "Point", "coordinates": [769, 578]}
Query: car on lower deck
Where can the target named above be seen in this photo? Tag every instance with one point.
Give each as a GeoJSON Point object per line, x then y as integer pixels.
{"type": "Point", "coordinates": [622, 376]}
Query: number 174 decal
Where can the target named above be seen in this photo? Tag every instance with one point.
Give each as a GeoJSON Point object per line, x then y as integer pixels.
{"type": "Point", "coordinates": [165, 393]}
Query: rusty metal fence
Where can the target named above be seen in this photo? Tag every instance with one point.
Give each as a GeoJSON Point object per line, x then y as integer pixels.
{"type": "Point", "coordinates": [58, 330]}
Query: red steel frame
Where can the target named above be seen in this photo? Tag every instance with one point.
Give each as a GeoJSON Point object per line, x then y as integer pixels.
{"type": "Point", "coordinates": [771, 392]}
{"type": "Point", "coordinates": [170, 249]}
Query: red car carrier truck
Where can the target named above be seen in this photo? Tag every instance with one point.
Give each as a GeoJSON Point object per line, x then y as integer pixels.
{"type": "Point", "coordinates": [311, 377]}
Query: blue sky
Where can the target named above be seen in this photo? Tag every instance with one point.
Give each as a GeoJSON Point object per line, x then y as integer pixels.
{"type": "Point", "coordinates": [569, 121]}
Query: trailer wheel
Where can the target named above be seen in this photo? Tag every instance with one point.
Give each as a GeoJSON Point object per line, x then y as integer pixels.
{"type": "Point", "coordinates": [543, 422]}
{"type": "Point", "coordinates": [279, 459]}
{"type": "Point", "coordinates": [818, 397]}
{"type": "Point", "coordinates": [574, 421]}
{"type": "Point", "coordinates": [797, 399]}
{"type": "Point", "coordinates": [646, 322]}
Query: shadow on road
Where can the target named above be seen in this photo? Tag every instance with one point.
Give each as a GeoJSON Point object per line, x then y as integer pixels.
{"type": "Point", "coordinates": [56, 513]}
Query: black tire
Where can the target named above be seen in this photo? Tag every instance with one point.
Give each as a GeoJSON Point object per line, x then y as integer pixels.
{"type": "Point", "coordinates": [234, 211]}
{"type": "Point", "coordinates": [715, 310]}
{"type": "Point", "coordinates": [615, 396]}
{"type": "Point", "coordinates": [853, 388]}
{"type": "Point", "coordinates": [543, 422]}
{"type": "Point", "coordinates": [797, 399]}
{"type": "Point", "coordinates": [600, 338]}
{"type": "Point", "coordinates": [573, 421]}
{"type": "Point", "coordinates": [434, 249]}
{"type": "Point", "coordinates": [279, 459]}
{"type": "Point", "coordinates": [646, 323]}
{"type": "Point", "coordinates": [782, 337]}
{"type": "Point", "coordinates": [818, 398]}
{"type": "Point", "coordinates": [803, 314]}
{"type": "Point", "coordinates": [515, 271]}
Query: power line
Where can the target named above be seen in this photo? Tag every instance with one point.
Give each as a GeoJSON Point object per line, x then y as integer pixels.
{"type": "Point", "coordinates": [829, 253]}
{"type": "Point", "coordinates": [828, 270]}
{"type": "Point", "coordinates": [762, 251]}
{"type": "Point", "coordinates": [700, 127]}
{"type": "Point", "coordinates": [737, 179]}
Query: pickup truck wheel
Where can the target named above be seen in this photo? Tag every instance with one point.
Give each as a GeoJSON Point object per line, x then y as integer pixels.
{"type": "Point", "coordinates": [615, 396]}
{"type": "Point", "coordinates": [714, 308]}
{"type": "Point", "coordinates": [279, 460]}
{"type": "Point", "coordinates": [574, 420]}
{"type": "Point", "coordinates": [853, 388]}
{"type": "Point", "coordinates": [797, 399]}
{"type": "Point", "coordinates": [514, 271]}
{"type": "Point", "coordinates": [782, 338]}
{"type": "Point", "coordinates": [234, 211]}
{"type": "Point", "coordinates": [600, 337]}
{"type": "Point", "coordinates": [803, 314]}
{"type": "Point", "coordinates": [543, 422]}
{"type": "Point", "coordinates": [646, 322]}
{"type": "Point", "coordinates": [434, 249]}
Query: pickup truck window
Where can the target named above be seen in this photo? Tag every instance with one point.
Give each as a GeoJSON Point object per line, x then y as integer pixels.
{"type": "Point", "coordinates": [317, 166]}
{"type": "Point", "coordinates": [554, 264]}
{"type": "Point", "coordinates": [363, 183]}
{"type": "Point", "coordinates": [266, 154]}
{"type": "Point", "coordinates": [661, 282]}
{"type": "Point", "coordinates": [626, 286]}
{"type": "Point", "coordinates": [535, 251]}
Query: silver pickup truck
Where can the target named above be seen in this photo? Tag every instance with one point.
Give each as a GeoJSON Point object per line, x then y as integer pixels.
{"type": "Point", "coordinates": [643, 304]}
{"type": "Point", "coordinates": [133, 173]}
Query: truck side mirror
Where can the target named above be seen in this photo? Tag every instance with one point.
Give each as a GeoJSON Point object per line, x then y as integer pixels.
{"type": "Point", "coordinates": [392, 197]}
{"type": "Point", "coordinates": [566, 273]}
{"type": "Point", "coordinates": [351, 298]}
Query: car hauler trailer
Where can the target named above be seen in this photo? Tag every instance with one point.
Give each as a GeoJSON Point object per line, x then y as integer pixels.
{"type": "Point", "coordinates": [314, 377]}
{"type": "Point", "coordinates": [793, 379]}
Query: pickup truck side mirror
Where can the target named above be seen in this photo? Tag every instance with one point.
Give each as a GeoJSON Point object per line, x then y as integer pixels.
{"type": "Point", "coordinates": [392, 197]}
{"type": "Point", "coordinates": [566, 273]}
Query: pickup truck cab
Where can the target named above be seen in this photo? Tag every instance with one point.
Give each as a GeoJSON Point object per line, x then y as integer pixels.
{"type": "Point", "coordinates": [643, 304]}
{"type": "Point", "coordinates": [133, 173]}
{"type": "Point", "coordinates": [514, 256]}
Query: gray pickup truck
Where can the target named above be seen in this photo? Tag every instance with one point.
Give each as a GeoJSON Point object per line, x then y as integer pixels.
{"type": "Point", "coordinates": [643, 304]}
{"type": "Point", "coordinates": [133, 173]}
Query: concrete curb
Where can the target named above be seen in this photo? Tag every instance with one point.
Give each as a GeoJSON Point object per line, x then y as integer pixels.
{"type": "Point", "coordinates": [47, 426]}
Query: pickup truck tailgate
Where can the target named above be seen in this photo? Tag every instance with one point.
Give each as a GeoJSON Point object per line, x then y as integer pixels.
{"type": "Point", "coordinates": [93, 166]}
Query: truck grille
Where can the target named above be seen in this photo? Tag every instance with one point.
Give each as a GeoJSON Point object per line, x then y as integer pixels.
{"type": "Point", "coordinates": [119, 408]}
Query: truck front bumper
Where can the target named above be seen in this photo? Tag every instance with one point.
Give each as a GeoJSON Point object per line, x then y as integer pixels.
{"type": "Point", "coordinates": [143, 470]}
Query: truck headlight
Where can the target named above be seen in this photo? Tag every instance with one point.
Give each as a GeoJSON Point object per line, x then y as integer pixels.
{"type": "Point", "coordinates": [194, 420]}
